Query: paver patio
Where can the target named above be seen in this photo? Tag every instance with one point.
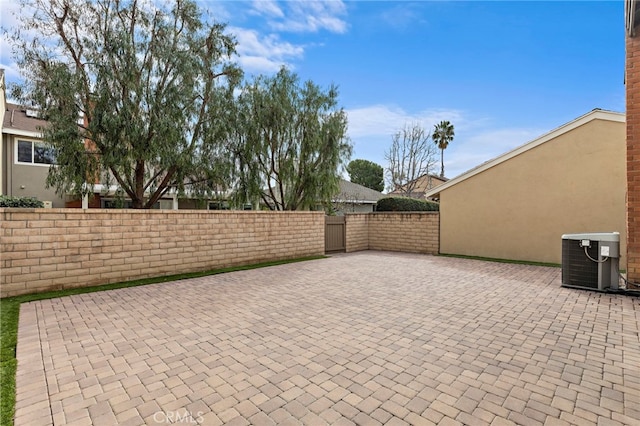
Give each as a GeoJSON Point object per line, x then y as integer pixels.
{"type": "Point", "coordinates": [364, 338]}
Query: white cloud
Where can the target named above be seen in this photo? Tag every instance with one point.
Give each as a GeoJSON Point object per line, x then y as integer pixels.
{"type": "Point", "coordinates": [7, 62]}
{"type": "Point", "coordinates": [250, 41]}
{"type": "Point", "coordinates": [304, 16]}
{"type": "Point", "coordinates": [263, 53]}
{"type": "Point", "coordinates": [8, 23]}
{"type": "Point", "coordinates": [387, 120]}
{"type": "Point", "coordinates": [11, 71]}
{"type": "Point", "coordinates": [258, 64]}
{"type": "Point", "coordinates": [403, 15]}
{"type": "Point", "coordinates": [267, 7]}
{"type": "Point", "coordinates": [257, 52]}
{"type": "Point", "coordinates": [8, 17]}
{"type": "Point", "coordinates": [371, 128]}
{"type": "Point", "coordinates": [499, 141]}
{"type": "Point", "coordinates": [477, 138]}
{"type": "Point", "coordinates": [481, 145]}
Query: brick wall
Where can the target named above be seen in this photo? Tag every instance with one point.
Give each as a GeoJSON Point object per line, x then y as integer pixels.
{"type": "Point", "coordinates": [47, 249]}
{"type": "Point", "coordinates": [405, 232]}
{"type": "Point", "coordinates": [632, 83]}
{"type": "Point", "coordinates": [357, 231]}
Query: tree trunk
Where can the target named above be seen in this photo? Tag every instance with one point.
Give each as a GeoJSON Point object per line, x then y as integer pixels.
{"type": "Point", "coordinates": [138, 201]}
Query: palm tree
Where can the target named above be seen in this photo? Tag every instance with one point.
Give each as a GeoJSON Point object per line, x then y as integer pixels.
{"type": "Point", "coordinates": [442, 136]}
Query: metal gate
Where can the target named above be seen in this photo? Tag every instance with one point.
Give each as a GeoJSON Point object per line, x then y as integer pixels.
{"type": "Point", "coordinates": [334, 234]}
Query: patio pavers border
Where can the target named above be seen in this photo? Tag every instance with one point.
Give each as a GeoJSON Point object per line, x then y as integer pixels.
{"type": "Point", "coordinates": [488, 397]}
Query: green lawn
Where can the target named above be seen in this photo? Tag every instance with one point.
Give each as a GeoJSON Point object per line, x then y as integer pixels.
{"type": "Point", "coordinates": [10, 310]}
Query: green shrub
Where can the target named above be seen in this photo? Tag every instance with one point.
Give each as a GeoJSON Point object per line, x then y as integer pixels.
{"type": "Point", "coordinates": [404, 204]}
{"type": "Point", "coordinates": [22, 202]}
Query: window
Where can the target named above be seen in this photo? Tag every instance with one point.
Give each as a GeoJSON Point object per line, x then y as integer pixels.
{"type": "Point", "coordinates": [31, 152]}
{"type": "Point", "coordinates": [115, 203]}
{"type": "Point", "coordinates": [218, 205]}
{"type": "Point", "coordinates": [224, 205]}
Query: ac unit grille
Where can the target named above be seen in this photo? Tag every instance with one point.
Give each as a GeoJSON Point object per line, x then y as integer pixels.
{"type": "Point", "coordinates": [577, 269]}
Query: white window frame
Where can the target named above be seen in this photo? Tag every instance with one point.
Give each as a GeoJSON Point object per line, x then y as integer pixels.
{"type": "Point", "coordinates": [32, 163]}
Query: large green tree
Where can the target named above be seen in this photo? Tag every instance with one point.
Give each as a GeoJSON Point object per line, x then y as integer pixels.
{"type": "Point", "coordinates": [134, 93]}
{"type": "Point", "coordinates": [366, 173]}
{"type": "Point", "coordinates": [443, 134]}
{"type": "Point", "coordinates": [289, 142]}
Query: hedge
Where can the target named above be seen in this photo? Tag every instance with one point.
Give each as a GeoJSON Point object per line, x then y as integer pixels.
{"type": "Point", "coordinates": [22, 202]}
{"type": "Point", "coordinates": [404, 204]}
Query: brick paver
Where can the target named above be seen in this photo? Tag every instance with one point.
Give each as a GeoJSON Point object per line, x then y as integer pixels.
{"type": "Point", "coordinates": [363, 338]}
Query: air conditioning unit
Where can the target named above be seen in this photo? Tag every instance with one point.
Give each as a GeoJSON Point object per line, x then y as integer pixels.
{"type": "Point", "coordinates": [591, 261]}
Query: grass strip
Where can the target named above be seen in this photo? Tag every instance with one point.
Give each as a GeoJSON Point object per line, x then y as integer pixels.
{"type": "Point", "coordinates": [10, 312]}
{"type": "Point", "coordinates": [498, 260]}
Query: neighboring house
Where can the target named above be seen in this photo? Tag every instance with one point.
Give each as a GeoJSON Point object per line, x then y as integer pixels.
{"type": "Point", "coordinates": [518, 206]}
{"type": "Point", "coordinates": [418, 187]}
{"type": "Point", "coordinates": [354, 198]}
{"type": "Point", "coordinates": [3, 107]}
{"type": "Point", "coordinates": [24, 159]}
{"type": "Point", "coordinates": [108, 197]}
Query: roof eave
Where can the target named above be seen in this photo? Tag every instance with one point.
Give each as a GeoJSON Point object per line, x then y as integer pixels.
{"type": "Point", "coordinates": [596, 114]}
{"type": "Point", "coordinates": [354, 201]}
{"type": "Point", "coordinates": [18, 132]}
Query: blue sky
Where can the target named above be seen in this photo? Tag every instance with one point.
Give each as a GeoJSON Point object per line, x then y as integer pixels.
{"type": "Point", "coordinates": [503, 72]}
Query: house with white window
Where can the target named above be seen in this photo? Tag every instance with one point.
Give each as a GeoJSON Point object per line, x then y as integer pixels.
{"type": "Point", "coordinates": [25, 159]}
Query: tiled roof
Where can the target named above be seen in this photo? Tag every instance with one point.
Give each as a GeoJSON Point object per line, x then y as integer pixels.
{"type": "Point", "coordinates": [16, 119]}
{"type": "Point", "coordinates": [421, 185]}
{"type": "Point", "coordinates": [360, 193]}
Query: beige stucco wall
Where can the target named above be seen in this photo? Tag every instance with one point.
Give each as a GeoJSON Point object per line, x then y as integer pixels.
{"type": "Point", "coordinates": [47, 249]}
{"type": "Point", "coordinates": [520, 208]}
{"type": "Point", "coordinates": [3, 167]}
{"type": "Point", "coordinates": [3, 108]}
{"type": "Point", "coordinates": [27, 180]}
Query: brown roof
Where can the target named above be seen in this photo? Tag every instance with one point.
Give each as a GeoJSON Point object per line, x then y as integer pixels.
{"type": "Point", "coordinates": [16, 118]}
{"type": "Point", "coordinates": [422, 184]}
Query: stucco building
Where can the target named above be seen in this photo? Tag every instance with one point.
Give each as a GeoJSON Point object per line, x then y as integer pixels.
{"type": "Point", "coordinates": [518, 205]}
{"type": "Point", "coordinates": [24, 158]}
